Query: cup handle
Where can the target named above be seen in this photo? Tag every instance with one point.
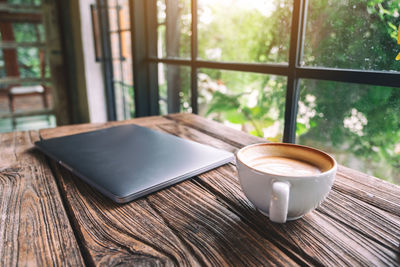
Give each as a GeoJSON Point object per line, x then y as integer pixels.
{"type": "Point", "coordinates": [278, 206]}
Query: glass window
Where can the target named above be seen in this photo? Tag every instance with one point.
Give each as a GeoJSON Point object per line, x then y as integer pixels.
{"type": "Point", "coordinates": [359, 124]}
{"type": "Point", "coordinates": [174, 18]}
{"type": "Point", "coordinates": [352, 34]}
{"type": "Point", "coordinates": [251, 102]}
{"type": "Point", "coordinates": [174, 88]}
{"type": "Point", "coordinates": [113, 16]}
{"type": "Point", "coordinates": [120, 37]}
{"type": "Point", "coordinates": [123, 97]}
{"type": "Point", "coordinates": [29, 62]}
{"type": "Point", "coordinates": [118, 15]}
{"type": "Point", "coordinates": [27, 32]}
{"type": "Point", "coordinates": [240, 30]}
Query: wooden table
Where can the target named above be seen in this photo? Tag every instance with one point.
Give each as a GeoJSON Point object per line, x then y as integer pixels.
{"type": "Point", "coordinates": [49, 217]}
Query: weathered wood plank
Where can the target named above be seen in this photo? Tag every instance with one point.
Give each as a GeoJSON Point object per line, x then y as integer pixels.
{"type": "Point", "coordinates": [181, 225]}
{"type": "Point", "coordinates": [374, 239]}
{"type": "Point", "coordinates": [369, 189]}
{"type": "Point", "coordinates": [328, 241]}
{"type": "Point", "coordinates": [34, 227]}
{"type": "Point", "coordinates": [370, 221]}
{"type": "Point", "coordinates": [113, 234]}
{"type": "Point", "coordinates": [99, 223]}
{"type": "Point", "coordinates": [217, 235]}
{"type": "Point", "coordinates": [362, 186]}
{"type": "Point", "coordinates": [209, 221]}
{"type": "Point", "coordinates": [99, 233]}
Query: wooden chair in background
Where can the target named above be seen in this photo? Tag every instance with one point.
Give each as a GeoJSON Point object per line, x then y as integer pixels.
{"type": "Point", "coordinates": [30, 90]}
{"type": "Point", "coordinates": [12, 68]}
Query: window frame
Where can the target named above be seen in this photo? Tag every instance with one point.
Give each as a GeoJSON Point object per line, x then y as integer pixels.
{"type": "Point", "coordinates": [147, 81]}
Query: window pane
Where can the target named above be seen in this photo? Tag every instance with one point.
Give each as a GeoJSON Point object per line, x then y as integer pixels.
{"type": "Point", "coordinates": [118, 15]}
{"type": "Point", "coordinates": [174, 18]}
{"type": "Point", "coordinates": [112, 16]}
{"type": "Point", "coordinates": [241, 30]}
{"type": "Point", "coordinates": [358, 124]}
{"type": "Point", "coordinates": [174, 89]}
{"type": "Point", "coordinates": [28, 62]}
{"type": "Point", "coordinates": [123, 78]}
{"type": "Point", "coordinates": [27, 32]}
{"type": "Point", "coordinates": [120, 36]}
{"type": "Point", "coordinates": [352, 34]}
{"type": "Point", "coordinates": [251, 102]}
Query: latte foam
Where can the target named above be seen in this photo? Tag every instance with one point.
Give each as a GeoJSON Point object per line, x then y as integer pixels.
{"type": "Point", "coordinates": [284, 166]}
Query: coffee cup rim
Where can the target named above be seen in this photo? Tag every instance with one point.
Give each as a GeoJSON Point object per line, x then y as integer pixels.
{"type": "Point", "coordinates": [326, 155]}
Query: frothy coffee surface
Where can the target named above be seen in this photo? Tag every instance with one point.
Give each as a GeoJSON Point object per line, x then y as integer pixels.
{"type": "Point", "coordinates": [284, 166]}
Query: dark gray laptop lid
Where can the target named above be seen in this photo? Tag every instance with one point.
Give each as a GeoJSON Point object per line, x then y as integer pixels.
{"type": "Point", "coordinates": [127, 162]}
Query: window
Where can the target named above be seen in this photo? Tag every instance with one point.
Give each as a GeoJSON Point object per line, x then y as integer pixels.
{"type": "Point", "coordinates": [247, 101]}
{"type": "Point", "coordinates": [319, 70]}
{"type": "Point", "coordinates": [171, 78]}
{"type": "Point", "coordinates": [28, 83]}
{"type": "Point", "coordinates": [357, 123]}
{"type": "Point", "coordinates": [119, 34]}
{"type": "Point", "coordinates": [224, 35]}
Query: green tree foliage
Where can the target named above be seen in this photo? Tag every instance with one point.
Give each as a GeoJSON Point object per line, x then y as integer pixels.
{"type": "Point", "coordinates": [355, 35]}
{"type": "Point", "coordinates": [236, 34]}
{"type": "Point", "coordinates": [359, 121]}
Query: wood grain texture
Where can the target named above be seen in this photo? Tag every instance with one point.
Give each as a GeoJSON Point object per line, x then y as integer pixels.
{"type": "Point", "coordinates": [182, 225]}
{"type": "Point", "coordinates": [329, 236]}
{"type": "Point", "coordinates": [367, 188]}
{"type": "Point", "coordinates": [335, 233]}
{"type": "Point", "coordinates": [208, 220]}
{"type": "Point", "coordinates": [115, 234]}
{"type": "Point", "coordinates": [34, 228]}
{"type": "Point", "coordinates": [141, 232]}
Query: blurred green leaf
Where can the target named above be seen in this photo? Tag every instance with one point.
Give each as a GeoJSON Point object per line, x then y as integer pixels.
{"type": "Point", "coordinates": [301, 129]}
{"type": "Point", "coordinates": [223, 102]}
{"type": "Point", "coordinates": [236, 117]}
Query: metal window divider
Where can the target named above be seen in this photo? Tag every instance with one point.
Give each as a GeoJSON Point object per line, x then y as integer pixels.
{"type": "Point", "coordinates": [294, 71]}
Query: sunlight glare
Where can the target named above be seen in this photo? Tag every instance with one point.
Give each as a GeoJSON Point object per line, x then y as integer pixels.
{"type": "Point", "coordinates": [266, 7]}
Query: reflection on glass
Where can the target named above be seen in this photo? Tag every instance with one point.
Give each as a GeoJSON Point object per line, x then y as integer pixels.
{"type": "Point", "coordinates": [174, 89]}
{"type": "Point", "coordinates": [241, 30]}
{"type": "Point", "coordinates": [359, 124]}
{"type": "Point", "coordinates": [352, 34]}
{"type": "Point", "coordinates": [251, 102]}
{"type": "Point", "coordinates": [174, 18]}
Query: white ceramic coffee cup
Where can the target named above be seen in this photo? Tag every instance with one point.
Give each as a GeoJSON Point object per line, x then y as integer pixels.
{"type": "Point", "coordinates": [285, 197]}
